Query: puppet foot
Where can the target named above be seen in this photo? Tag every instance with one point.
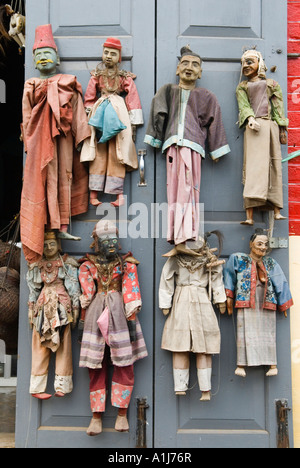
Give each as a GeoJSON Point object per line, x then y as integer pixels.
{"type": "Point", "coordinates": [95, 426]}
{"type": "Point", "coordinates": [240, 371]}
{"type": "Point", "coordinates": [67, 236]}
{"type": "Point", "coordinates": [180, 393]}
{"type": "Point", "coordinates": [119, 201]}
{"type": "Point", "coordinates": [59, 394]}
{"type": "Point", "coordinates": [206, 396]}
{"type": "Point", "coordinates": [95, 202]}
{"type": "Point", "coordinates": [248, 222]}
{"type": "Point", "coordinates": [121, 424]}
{"type": "Point", "coordinates": [279, 216]}
{"type": "Point", "coordinates": [41, 396]}
{"type": "Point", "coordinates": [272, 371]}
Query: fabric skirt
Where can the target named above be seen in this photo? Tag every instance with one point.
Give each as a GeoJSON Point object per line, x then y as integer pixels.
{"type": "Point", "coordinates": [256, 334]}
{"type": "Point", "coordinates": [123, 352]}
{"type": "Point", "coordinates": [192, 324]}
{"type": "Point", "coordinates": [262, 171]}
{"type": "Point", "coordinates": [183, 192]}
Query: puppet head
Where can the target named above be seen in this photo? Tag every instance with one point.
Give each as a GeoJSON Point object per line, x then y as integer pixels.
{"type": "Point", "coordinates": [45, 51]}
{"type": "Point", "coordinates": [253, 64]}
{"type": "Point", "coordinates": [189, 68]}
{"type": "Point", "coordinates": [106, 241]}
{"type": "Point", "coordinates": [259, 244]}
{"type": "Point", "coordinates": [111, 52]}
{"type": "Point", "coordinates": [52, 245]}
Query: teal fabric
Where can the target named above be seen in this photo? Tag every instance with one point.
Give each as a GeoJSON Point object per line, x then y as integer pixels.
{"type": "Point", "coordinates": [106, 121]}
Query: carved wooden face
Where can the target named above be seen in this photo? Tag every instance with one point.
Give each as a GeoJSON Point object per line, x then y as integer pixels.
{"type": "Point", "coordinates": [259, 246]}
{"type": "Point", "coordinates": [189, 69]}
{"type": "Point", "coordinates": [46, 61]}
{"type": "Point", "coordinates": [108, 246]}
{"type": "Point", "coordinates": [51, 248]}
{"type": "Point", "coordinates": [250, 67]}
{"type": "Point", "coordinates": [110, 57]}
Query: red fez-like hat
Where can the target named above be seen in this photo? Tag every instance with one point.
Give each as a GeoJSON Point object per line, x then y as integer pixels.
{"type": "Point", "coordinates": [44, 37]}
{"type": "Point", "coordinates": [113, 43]}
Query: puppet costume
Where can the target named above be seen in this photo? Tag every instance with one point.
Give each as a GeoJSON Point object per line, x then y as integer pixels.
{"type": "Point", "coordinates": [257, 303]}
{"type": "Point", "coordinates": [110, 160]}
{"type": "Point", "coordinates": [181, 123]}
{"type": "Point", "coordinates": [262, 171]}
{"type": "Point", "coordinates": [55, 185]}
{"type": "Point", "coordinates": [187, 286]}
{"type": "Point", "coordinates": [54, 297]}
{"type": "Point", "coordinates": [110, 295]}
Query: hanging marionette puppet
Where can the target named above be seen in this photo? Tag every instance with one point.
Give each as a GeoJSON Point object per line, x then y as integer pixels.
{"type": "Point", "coordinates": [183, 119]}
{"type": "Point", "coordinates": [261, 113]}
{"type": "Point", "coordinates": [190, 280]}
{"type": "Point", "coordinates": [256, 286]}
{"type": "Point", "coordinates": [111, 150]}
{"type": "Point", "coordinates": [53, 310]}
{"type": "Point", "coordinates": [110, 302]}
{"type": "Point", "coordinates": [55, 184]}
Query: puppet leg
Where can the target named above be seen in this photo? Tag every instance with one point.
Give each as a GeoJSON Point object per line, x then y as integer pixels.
{"type": "Point", "coordinates": [122, 386]}
{"type": "Point", "coordinates": [63, 383]}
{"type": "Point", "coordinates": [204, 368]}
{"type": "Point", "coordinates": [98, 379]}
{"type": "Point", "coordinates": [39, 368]}
{"type": "Point", "coordinates": [181, 372]}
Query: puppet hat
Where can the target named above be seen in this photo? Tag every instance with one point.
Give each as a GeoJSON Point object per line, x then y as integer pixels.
{"type": "Point", "coordinates": [44, 37]}
{"type": "Point", "coordinates": [113, 43]}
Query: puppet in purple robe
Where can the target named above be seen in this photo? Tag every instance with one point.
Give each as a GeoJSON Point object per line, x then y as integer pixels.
{"type": "Point", "coordinates": [183, 119]}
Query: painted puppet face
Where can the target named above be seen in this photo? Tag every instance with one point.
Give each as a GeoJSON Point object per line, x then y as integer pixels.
{"type": "Point", "coordinates": [46, 61]}
{"type": "Point", "coordinates": [259, 246]}
{"type": "Point", "coordinates": [250, 67]}
{"type": "Point", "coordinates": [108, 246]}
{"type": "Point", "coordinates": [51, 248]}
{"type": "Point", "coordinates": [110, 57]}
{"type": "Point", "coordinates": [189, 70]}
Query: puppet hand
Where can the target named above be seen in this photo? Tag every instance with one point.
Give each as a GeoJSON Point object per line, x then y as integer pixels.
{"type": "Point", "coordinates": [75, 315]}
{"type": "Point", "coordinates": [253, 124]}
{"type": "Point", "coordinates": [222, 307]}
{"type": "Point", "coordinates": [283, 135]}
{"type": "Point", "coordinates": [230, 305]}
{"type": "Point", "coordinates": [166, 311]}
{"type": "Point", "coordinates": [80, 330]}
{"type": "Point", "coordinates": [30, 313]}
{"type": "Point", "coordinates": [133, 129]}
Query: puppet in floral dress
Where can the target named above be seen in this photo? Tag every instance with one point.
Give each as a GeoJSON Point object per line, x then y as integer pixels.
{"type": "Point", "coordinates": [111, 150]}
{"type": "Point", "coordinates": [110, 302]}
{"type": "Point", "coordinates": [53, 310]}
{"type": "Point", "coordinates": [257, 287]}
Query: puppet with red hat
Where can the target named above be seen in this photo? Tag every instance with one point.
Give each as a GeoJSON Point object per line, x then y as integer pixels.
{"type": "Point", "coordinates": [55, 185]}
{"type": "Point", "coordinates": [111, 151]}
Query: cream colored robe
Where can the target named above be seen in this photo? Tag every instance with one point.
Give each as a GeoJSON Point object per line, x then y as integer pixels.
{"type": "Point", "coordinates": [185, 287]}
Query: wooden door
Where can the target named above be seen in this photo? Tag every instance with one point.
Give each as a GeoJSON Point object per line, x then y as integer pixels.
{"type": "Point", "coordinates": [80, 29]}
{"type": "Point", "coordinates": [242, 412]}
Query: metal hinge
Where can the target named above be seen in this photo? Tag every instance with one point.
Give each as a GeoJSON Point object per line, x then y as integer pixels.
{"type": "Point", "coordinates": [278, 242]}
{"type": "Point", "coordinates": [142, 405]}
{"type": "Point", "coordinates": [282, 410]}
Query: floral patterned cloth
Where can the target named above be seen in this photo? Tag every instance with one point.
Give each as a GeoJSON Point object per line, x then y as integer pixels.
{"type": "Point", "coordinates": [240, 279]}
{"type": "Point", "coordinates": [122, 298]}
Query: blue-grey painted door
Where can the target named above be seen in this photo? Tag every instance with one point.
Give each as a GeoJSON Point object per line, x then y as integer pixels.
{"type": "Point", "coordinates": [80, 29]}
{"type": "Point", "coordinates": [241, 412]}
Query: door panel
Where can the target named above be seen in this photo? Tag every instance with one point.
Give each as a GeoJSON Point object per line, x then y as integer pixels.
{"type": "Point", "coordinates": [241, 411]}
{"type": "Point", "coordinates": [63, 422]}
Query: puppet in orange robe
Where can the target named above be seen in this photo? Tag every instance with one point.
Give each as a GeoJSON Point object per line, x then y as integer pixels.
{"type": "Point", "coordinates": [55, 185]}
